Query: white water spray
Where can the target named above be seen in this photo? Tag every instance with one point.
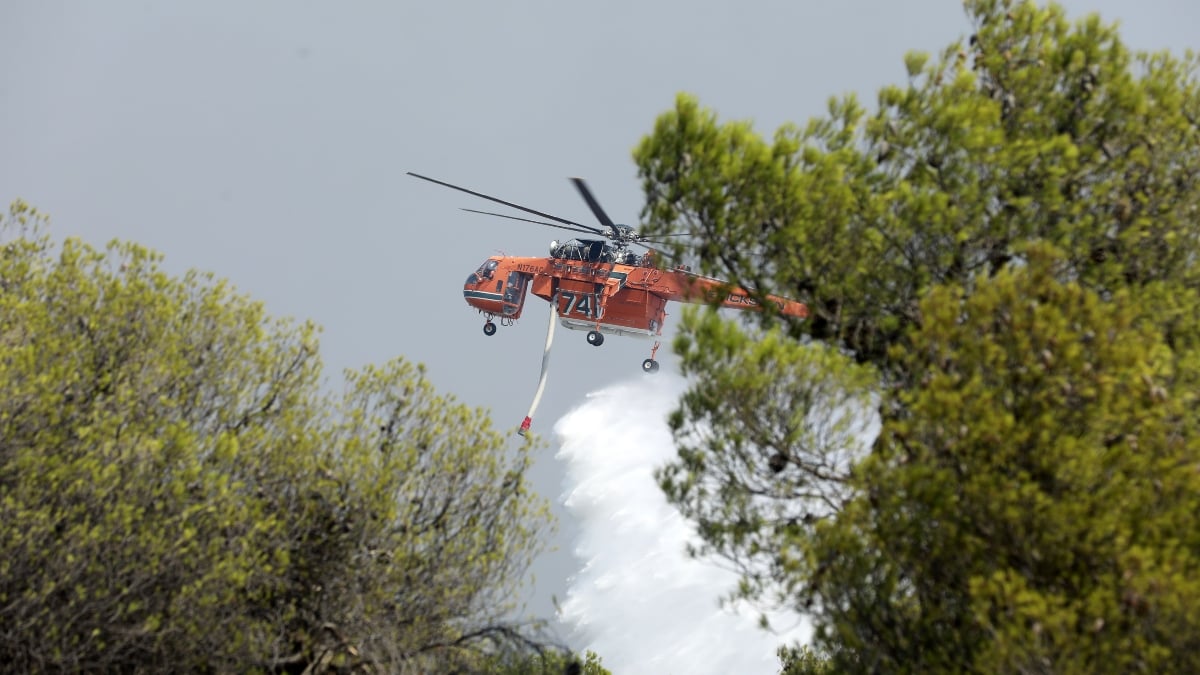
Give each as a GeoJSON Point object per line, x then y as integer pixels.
{"type": "Point", "coordinates": [640, 602]}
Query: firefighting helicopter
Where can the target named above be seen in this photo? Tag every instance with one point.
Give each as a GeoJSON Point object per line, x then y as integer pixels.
{"type": "Point", "coordinates": [596, 285]}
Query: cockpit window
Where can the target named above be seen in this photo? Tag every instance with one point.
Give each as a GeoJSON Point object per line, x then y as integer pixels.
{"type": "Point", "coordinates": [472, 279]}
{"type": "Point", "coordinates": [485, 270]}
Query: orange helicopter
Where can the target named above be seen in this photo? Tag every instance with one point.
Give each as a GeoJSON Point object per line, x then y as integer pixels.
{"type": "Point", "coordinates": [596, 285]}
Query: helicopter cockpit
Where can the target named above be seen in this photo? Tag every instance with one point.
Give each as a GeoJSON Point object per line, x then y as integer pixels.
{"type": "Point", "coordinates": [504, 295]}
{"type": "Point", "coordinates": [483, 273]}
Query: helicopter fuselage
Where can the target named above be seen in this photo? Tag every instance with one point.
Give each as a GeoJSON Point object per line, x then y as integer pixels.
{"type": "Point", "coordinates": [597, 285]}
{"type": "Point", "coordinates": [607, 297]}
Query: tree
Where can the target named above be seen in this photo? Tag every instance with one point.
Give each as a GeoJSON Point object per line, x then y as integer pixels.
{"type": "Point", "coordinates": [1035, 130]}
{"type": "Point", "coordinates": [765, 440]}
{"type": "Point", "coordinates": [177, 491]}
{"type": "Point", "coordinates": [1037, 163]}
{"type": "Point", "coordinates": [1035, 508]}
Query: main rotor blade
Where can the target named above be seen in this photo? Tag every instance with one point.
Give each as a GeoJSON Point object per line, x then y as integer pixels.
{"type": "Point", "coordinates": [515, 206]}
{"type": "Point", "coordinates": [594, 205]}
{"type": "Point", "coordinates": [657, 240]}
{"type": "Point", "coordinates": [657, 252]}
{"type": "Point", "coordinates": [528, 220]}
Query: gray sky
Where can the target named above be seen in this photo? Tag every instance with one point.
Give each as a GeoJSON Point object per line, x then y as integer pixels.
{"type": "Point", "coordinates": [268, 141]}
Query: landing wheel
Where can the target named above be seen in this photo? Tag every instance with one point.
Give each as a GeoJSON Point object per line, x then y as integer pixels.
{"type": "Point", "coordinates": [595, 338]}
{"type": "Point", "coordinates": [489, 328]}
{"type": "Point", "coordinates": [649, 366]}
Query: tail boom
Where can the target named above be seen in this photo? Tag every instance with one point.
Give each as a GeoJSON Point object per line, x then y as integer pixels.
{"type": "Point", "coordinates": [698, 289]}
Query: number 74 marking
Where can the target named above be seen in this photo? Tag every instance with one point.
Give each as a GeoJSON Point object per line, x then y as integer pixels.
{"type": "Point", "coordinates": [587, 304]}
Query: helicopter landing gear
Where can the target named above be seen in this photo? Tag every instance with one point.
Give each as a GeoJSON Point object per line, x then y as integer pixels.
{"type": "Point", "coordinates": [489, 328]}
{"type": "Point", "coordinates": [650, 366]}
{"type": "Point", "coordinates": [595, 338]}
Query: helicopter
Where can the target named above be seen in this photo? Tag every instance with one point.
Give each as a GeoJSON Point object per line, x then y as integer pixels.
{"type": "Point", "coordinates": [595, 284]}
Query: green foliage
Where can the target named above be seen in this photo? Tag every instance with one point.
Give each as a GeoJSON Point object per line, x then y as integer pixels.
{"type": "Point", "coordinates": [1036, 130]}
{"type": "Point", "coordinates": [1007, 248]}
{"type": "Point", "coordinates": [592, 664]}
{"type": "Point", "coordinates": [757, 469]}
{"type": "Point", "coordinates": [1035, 506]}
{"type": "Point", "coordinates": [177, 493]}
{"type": "Point", "coordinates": [800, 660]}
{"type": "Point", "coordinates": [547, 662]}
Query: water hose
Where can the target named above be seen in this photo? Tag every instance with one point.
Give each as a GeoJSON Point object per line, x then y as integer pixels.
{"type": "Point", "coordinates": [537, 398]}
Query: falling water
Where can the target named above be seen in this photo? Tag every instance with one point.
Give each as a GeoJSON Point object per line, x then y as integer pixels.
{"type": "Point", "coordinates": [639, 601]}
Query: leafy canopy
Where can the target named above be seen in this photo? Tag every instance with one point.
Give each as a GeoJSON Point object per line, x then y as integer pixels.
{"type": "Point", "coordinates": [1000, 262]}
{"type": "Point", "coordinates": [177, 492]}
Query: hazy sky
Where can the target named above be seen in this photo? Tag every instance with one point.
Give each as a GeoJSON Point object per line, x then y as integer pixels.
{"type": "Point", "coordinates": [268, 141]}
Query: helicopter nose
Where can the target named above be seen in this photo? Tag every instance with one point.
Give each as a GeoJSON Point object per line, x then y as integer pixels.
{"type": "Point", "coordinates": [477, 295]}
